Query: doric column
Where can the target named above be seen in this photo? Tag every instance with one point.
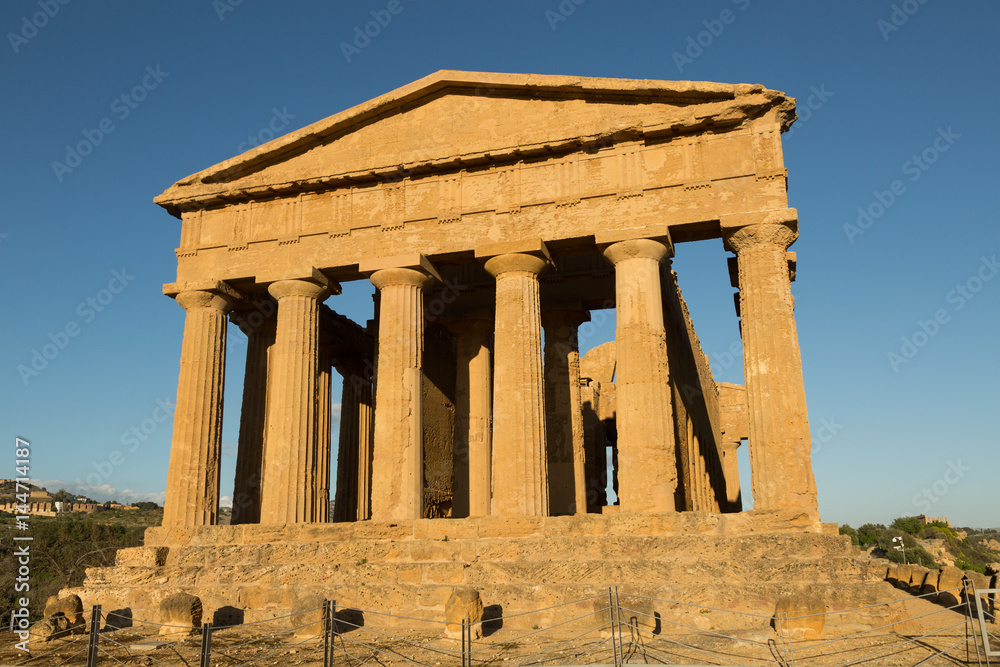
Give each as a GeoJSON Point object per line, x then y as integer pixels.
{"type": "Point", "coordinates": [291, 446]}
{"type": "Point", "coordinates": [354, 453]}
{"type": "Point", "coordinates": [564, 412]}
{"type": "Point", "coordinates": [520, 478]}
{"type": "Point", "coordinates": [473, 417]}
{"type": "Point", "coordinates": [196, 448]}
{"type": "Point", "coordinates": [323, 407]}
{"type": "Point", "coordinates": [647, 469]}
{"type": "Point", "coordinates": [259, 326]}
{"type": "Point", "coordinates": [780, 465]}
{"type": "Point", "coordinates": [731, 473]}
{"type": "Point", "coordinates": [397, 466]}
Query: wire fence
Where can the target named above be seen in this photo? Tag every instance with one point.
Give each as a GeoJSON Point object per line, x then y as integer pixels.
{"type": "Point", "coordinates": [609, 628]}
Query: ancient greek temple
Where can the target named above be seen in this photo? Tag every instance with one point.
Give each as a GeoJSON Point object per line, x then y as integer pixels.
{"type": "Point", "coordinates": [493, 213]}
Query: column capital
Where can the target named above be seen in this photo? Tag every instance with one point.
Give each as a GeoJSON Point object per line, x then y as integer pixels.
{"type": "Point", "coordinates": [196, 299]}
{"type": "Point", "coordinates": [295, 287]}
{"type": "Point", "coordinates": [255, 313]}
{"type": "Point", "coordinates": [502, 265]}
{"type": "Point", "coordinates": [637, 249]}
{"type": "Point", "coordinates": [779, 227]}
{"type": "Point", "coordinates": [401, 276]}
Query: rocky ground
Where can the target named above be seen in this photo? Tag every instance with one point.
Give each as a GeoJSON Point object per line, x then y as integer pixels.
{"type": "Point", "coordinates": [255, 645]}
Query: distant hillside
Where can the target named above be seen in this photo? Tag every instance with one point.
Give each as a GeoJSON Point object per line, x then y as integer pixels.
{"type": "Point", "coordinates": [931, 545]}
{"type": "Point", "coordinates": [64, 546]}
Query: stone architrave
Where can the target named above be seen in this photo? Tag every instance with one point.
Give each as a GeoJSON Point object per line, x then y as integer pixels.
{"type": "Point", "coordinates": [519, 470]}
{"type": "Point", "coordinates": [397, 458]}
{"type": "Point", "coordinates": [473, 417]}
{"type": "Point", "coordinates": [196, 448]}
{"type": "Point", "coordinates": [780, 463]}
{"type": "Point", "coordinates": [289, 491]}
{"type": "Point", "coordinates": [564, 411]}
{"type": "Point", "coordinates": [647, 468]}
{"type": "Point", "coordinates": [259, 326]}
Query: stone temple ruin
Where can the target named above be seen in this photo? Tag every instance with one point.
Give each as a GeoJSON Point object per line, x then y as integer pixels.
{"type": "Point", "coordinates": [493, 213]}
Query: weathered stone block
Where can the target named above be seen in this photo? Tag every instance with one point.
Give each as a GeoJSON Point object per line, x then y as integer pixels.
{"type": "Point", "coordinates": [950, 586]}
{"type": "Point", "coordinates": [50, 628]}
{"type": "Point", "coordinates": [463, 603]}
{"type": "Point", "coordinates": [806, 615]}
{"type": "Point", "coordinates": [69, 606]}
{"type": "Point", "coordinates": [307, 617]}
{"type": "Point", "coordinates": [180, 614]}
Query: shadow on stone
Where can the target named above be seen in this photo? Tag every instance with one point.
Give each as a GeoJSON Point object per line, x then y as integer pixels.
{"type": "Point", "coordinates": [349, 620]}
{"type": "Point", "coordinates": [492, 619]}
{"type": "Point", "coordinates": [227, 617]}
{"type": "Point", "coordinates": [118, 619]}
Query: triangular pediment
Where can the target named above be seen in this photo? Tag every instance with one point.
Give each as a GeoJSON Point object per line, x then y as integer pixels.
{"type": "Point", "coordinates": [454, 120]}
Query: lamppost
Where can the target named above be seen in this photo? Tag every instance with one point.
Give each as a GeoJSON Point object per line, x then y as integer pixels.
{"type": "Point", "coordinates": [899, 547]}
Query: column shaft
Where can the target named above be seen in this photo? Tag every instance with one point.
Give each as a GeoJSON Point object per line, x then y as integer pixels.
{"type": "Point", "coordinates": [780, 465]}
{"type": "Point", "coordinates": [473, 418]}
{"type": "Point", "coordinates": [564, 412]}
{"type": "Point", "coordinates": [520, 485]}
{"type": "Point", "coordinates": [323, 408]}
{"type": "Point", "coordinates": [647, 470]}
{"type": "Point", "coordinates": [253, 417]}
{"type": "Point", "coordinates": [196, 448]}
{"type": "Point", "coordinates": [289, 491]}
{"type": "Point", "coordinates": [397, 465]}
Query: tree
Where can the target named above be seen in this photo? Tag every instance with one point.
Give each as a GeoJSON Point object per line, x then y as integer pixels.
{"type": "Point", "coordinates": [908, 524]}
{"type": "Point", "coordinates": [63, 496]}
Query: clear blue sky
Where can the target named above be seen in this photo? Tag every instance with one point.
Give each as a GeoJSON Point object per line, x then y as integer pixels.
{"type": "Point", "coordinates": [911, 100]}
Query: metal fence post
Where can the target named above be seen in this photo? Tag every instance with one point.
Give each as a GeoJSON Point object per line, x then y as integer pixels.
{"type": "Point", "coordinates": [618, 613]}
{"type": "Point", "coordinates": [328, 623]}
{"type": "Point", "coordinates": [95, 631]}
{"type": "Point", "coordinates": [611, 614]}
{"type": "Point", "coordinates": [206, 644]}
{"type": "Point", "coordinates": [465, 630]}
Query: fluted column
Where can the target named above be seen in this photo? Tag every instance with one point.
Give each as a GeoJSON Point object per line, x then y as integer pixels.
{"type": "Point", "coordinates": [289, 491]}
{"type": "Point", "coordinates": [473, 418]}
{"type": "Point", "coordinates": [323, 407]}
{"type": "Point", "coordinates": [647, 469]}
{"type": "Point", "coordinates": [564, 412]}
{"type": "Point", "coordinates": [780, 463]}
{"type": "Point", "coordinates": [259, 326]}
{"type": "Point", "coordinates": [354, 452]}
{"type": "Point", "coordinates": [397, 466]}
{"type": "Point", "coordinates": [520, 475]}
{"type": "Point", "coordinates": [196, 447]}
{"type": "Point", "coordinates": [731, 473]}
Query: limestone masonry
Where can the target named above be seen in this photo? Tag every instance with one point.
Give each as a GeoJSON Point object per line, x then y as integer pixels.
{"type": "Point", "coordinates": [494, 213]}
{"type": "Point", "coordinates": [486, 208]}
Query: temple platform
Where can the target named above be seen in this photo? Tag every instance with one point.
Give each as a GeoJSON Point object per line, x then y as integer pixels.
{"type": "Point", "coordinates": [743, 562]}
